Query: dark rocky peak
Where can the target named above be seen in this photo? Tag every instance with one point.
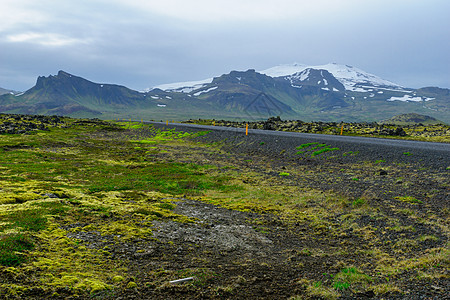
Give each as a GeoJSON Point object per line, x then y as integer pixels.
{"type": "Point", "coordinates": [249, 78]}
{"type": "Point", "coordinates": [316, 77]}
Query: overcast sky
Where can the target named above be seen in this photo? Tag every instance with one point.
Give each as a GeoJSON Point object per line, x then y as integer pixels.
{"type": "Point", "coordinates": [144, 43]}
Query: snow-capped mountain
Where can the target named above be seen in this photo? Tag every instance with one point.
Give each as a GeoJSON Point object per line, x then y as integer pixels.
{"type": "Point", "coordinates": [352, 78]}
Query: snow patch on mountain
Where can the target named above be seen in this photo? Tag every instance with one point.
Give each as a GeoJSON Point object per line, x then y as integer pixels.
{"type": "Point", "coordinates": [408, 98]}
{"type": "Point", "coordinates": [183, 87]}
{"type": "Point", "coordinates": [205, 91]}
{"type": "Point", "coordinates": [284, 70]}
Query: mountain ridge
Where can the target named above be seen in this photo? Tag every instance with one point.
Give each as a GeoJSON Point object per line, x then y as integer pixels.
{"type": "Point", "coordinates": [308, 94]}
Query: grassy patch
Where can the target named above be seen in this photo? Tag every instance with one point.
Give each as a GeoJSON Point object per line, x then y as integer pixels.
{"type": "Point", "coordinates": [409, 199]}
{"type": "Point", "coordinates": [358, 202]}
{"type": "Point", "coordinates": [314, 149]}
{"type": "Point", "coordinates": [12, 248]}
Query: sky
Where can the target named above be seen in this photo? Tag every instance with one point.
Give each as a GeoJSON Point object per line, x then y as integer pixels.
{"type": "Point", "coordinates": [145, 43]}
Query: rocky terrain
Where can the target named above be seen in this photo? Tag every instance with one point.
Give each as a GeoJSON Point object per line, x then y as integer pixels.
{"type": "Point", "coordinates": [20, 124]}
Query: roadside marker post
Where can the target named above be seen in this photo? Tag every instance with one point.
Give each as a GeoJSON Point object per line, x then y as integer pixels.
{"type": "Point", "coordinates": [214, 123]}
{"type": "Point", "coordinates": [342, 129]}
{"type": "Point", "coordinates": [167, 122]}
{"type": "Point", "coordinates": [246, 129]}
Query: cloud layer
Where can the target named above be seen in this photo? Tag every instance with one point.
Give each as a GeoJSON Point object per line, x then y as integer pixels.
{"type": "Point", "coordinates": [145, 43]}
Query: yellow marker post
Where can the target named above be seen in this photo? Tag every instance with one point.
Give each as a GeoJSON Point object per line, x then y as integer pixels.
{"type": "Point", "coordinates": [142, 120]}
{"type": "Point", "coordinates": [167, 122]}
{"type": "Point", "coordinates": [342, 129]}
{"type": "Point", "coordinates": [246, 129]}
{"type": "Point", "coordinates": [214, 123]}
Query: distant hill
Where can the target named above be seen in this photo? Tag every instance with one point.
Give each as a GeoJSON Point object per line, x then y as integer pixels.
{"type": "Point", "coordinates": [412, 119]}
{"type": "Point", "coordinates": [5, 91]}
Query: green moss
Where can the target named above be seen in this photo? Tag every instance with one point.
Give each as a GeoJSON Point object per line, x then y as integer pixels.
{"type": "Point", "coordinates": [409, 199]}
{"type": "Point", "coordinates": [352, 275]}
{"type": "Point", "coordinates": [118, 278]}
{"type": "Point", "coordinates": [12, 248]}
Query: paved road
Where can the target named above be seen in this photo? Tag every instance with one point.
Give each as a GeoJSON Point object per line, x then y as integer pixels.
{"type": "Point", "coordinates": [433, 155]}
{"type": "Point", "coordinates": [328, 138]}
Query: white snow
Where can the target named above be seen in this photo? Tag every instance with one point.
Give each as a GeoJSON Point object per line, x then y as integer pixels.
{"type": "Point", "coordinates": [205, 91]}
{"type": "Point", "coordinates": [168, 97]}
{"type": "Point", "coordinates": [406, 98]}
{"type": "Point", "coordinates": [20, 94]}
{"type": "Point", "coordinates": [161, 105]}
{"type": "Point", "coordinates": [239, 78]}
{"type": "Point", "coordinates": [380, 92]}
{"type": "Point", "coordinates": [183, 87]}
{"type": "Point", "coordinates": [356, 89]}
{"type": "Point", "coordinates": [284, 70]}
{"type": "Point", "coordinates": [347, 75]}
{"type": "Point", "coordinates": [101, 85]}
{"type": "Point", "coordinates": [325, 89]}
{"type": "Point", "coordinates": [154, 97]}
{"type": "Point", "coordinates": [336, 90]}
{"type": "Point", "coordinates": [318, 82]}
{"type": "Point", "coordinates": [324, 80]}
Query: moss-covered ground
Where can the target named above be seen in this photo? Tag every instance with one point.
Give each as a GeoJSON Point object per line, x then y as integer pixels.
{"type": "Point", "coordinates": [95, 209]}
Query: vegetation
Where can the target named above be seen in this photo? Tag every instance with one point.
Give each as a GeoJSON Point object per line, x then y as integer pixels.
{"type": "Point", "coordinates": [105, 209]}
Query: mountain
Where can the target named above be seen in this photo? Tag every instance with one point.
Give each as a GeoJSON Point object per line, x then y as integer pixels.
{"type": "Point", "coordinates": [335, 92]}
{"type": "Point", "coordinates": [66, 94]}
{"type": "Point", "coordinates": [5, 91]}
{"type": "Point", "coordinates": [329, 92]}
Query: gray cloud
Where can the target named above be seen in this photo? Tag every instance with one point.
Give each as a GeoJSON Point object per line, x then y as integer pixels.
{"type": "Point", "coordinates": [154, 42]}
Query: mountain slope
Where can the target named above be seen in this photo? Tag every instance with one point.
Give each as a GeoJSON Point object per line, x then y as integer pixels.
{"type": "Point", "coordinates": [246, 92]}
